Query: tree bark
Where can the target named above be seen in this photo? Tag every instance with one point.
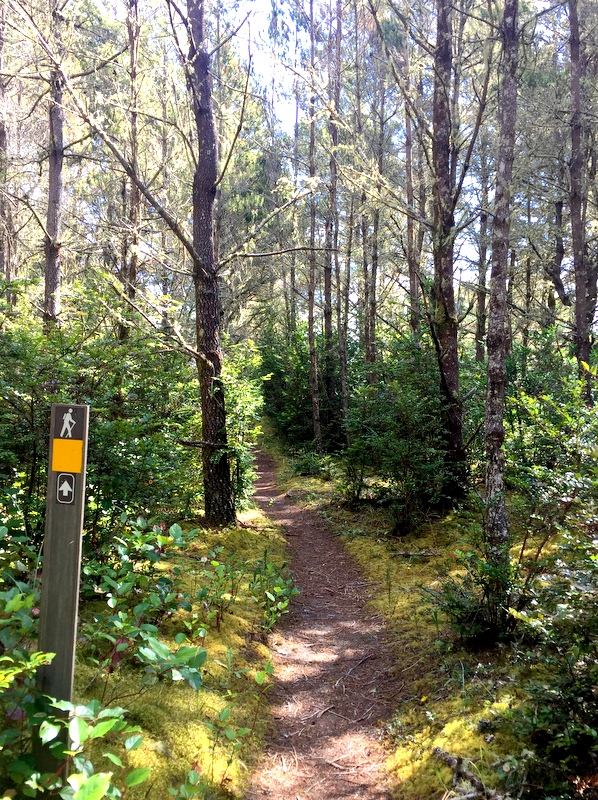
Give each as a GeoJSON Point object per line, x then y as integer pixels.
{"type": "Point", "coordinates": [331, 237]}
{"type": "Point", "coordinates": [130, 261]}
{"type": "Point", "coordinates": [444, 313]}
{"type": "Point", "coordinates": [218, 491]}
{"type": "Point", "coordinates": [412, 260]}
{"type": "Point", "coordinates": [344, 291]}
{"type": "Point", "coordinates": [497, 525]}
{"type": "Point", "coordinates": [576, 172]}
{"type": "Point", "coordinates": [311, 290]}
{"type": "Point", "coordinates": [372, 306]}
{"type": "Point", "coordinates": [53, 233]}
{"type": "Point", "coordinates": [480, 337]}
{"type": "Point", "coordinates": [7, 233]}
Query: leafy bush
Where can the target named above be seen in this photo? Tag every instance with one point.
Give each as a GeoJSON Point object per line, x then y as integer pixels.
{"type": "Point", "coordinates": [28, 717]}
{"type": "Point", "coordinates": [286, 392]}
{"type": "Point", "coordinates": [272, 589]}
{"type": "Point", "coordinates": [242, 376]}
{"type": "Point", "coordinates": [396, 456]}
{"type": "Point", "coordinates": [558, 719]}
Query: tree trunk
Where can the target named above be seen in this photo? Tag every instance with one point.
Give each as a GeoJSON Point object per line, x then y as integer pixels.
{"type": "Point", "coordinates": [311, 290]}
{"type": "Point", "coordinates": [331, 254]}
{"type": "Point", "coordinates": [372, 306]}
{"type": "Point", "coordinates": [218, 491]}
{"type": "Point", "coordinates": [497, 525]}
{"type": "Point", "coordinates": [343, 314]}
{"type": "Point", "coordinates": [412, 260]}
{"type": "Point", "coordinates": [445, 323]}
{"type": "Point", "coordinates": [480, 337]}
{"type": "Point", "coordinates": [576, 170]}
{"type": "Point", "coordinates": [130, 263]}
{"type": "Point", "coordinates": [53, 232]}
{"type": "Point", "coordinates": [7, 233]}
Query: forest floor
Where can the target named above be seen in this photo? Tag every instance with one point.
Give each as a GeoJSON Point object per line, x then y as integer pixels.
{"type": "Point", "coordinates": [334, 668]}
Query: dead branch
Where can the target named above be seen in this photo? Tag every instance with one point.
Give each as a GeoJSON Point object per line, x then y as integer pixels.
{"type": "Point", "coordinates": [461, 773]}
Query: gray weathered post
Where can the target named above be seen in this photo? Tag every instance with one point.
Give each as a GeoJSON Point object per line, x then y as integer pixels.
{"type": "Point", "coordinates": [62, 548]}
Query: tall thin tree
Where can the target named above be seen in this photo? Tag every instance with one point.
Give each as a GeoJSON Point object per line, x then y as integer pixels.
{"type": "Point", "coordinates": [53, 232]}
{"type": "Point", "coordinates": [218, 491]}
{"type": "Point", "coordinates": [497, 524]}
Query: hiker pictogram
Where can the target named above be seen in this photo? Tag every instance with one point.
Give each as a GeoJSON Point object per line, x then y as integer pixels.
{"type": "Point", "coordinates": [68, 424]}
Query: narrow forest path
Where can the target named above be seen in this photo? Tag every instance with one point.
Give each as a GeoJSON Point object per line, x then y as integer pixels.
{"type": "Point", "coordinates": [332, 665]}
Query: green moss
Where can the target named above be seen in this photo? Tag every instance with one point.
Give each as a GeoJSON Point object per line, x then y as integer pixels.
{"type": "Point", "coordinates": [180, 726]}
{"type": "Point", "coordinates": [443, 690]}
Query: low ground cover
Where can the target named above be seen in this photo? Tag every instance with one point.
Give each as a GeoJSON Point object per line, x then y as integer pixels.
{"type": "Point", "coordinates": [175, 633]}
{"type": "Point", "coordinates": [520, 712]}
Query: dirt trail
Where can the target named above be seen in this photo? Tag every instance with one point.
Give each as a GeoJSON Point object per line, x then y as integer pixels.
{"type": "Point", "coordinates": [332, 669]}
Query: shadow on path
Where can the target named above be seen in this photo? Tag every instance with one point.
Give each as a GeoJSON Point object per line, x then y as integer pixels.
{"type": "Point", "coordinates": [332, 665]}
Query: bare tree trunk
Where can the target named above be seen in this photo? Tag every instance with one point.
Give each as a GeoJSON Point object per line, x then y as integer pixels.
{"type": "Point", "coordinates": [445, 323]}
{"type": "Point", "coordinates": [372, 307]}
{"type": "Point", "coordinates": [331, 240]}
{"type": "Point", "coordinates": [343, 313]}
{"type": "Point", "coordinates": [7, 233]}
{"type": "Point", "coordinates": [497, 524]}
{"type": "Point", "coordinates": [53, 231]}
{"type": "Point", "coordinates": [576, 171]}
{"type": "Point", "coordinates": [480, 337]}
{"type": "Point", "coordinates": [412, 261]}
{"type": "Point", "coordinates": [311, 290]}
{"type": "Point", "coordinates": [130, 264]}
{"type": "Point", "coordinates": [218, 491]}
{"type": "Point", "coordinates": [510, 291]}
{"type": "Point", "coordinates": [293, 266]}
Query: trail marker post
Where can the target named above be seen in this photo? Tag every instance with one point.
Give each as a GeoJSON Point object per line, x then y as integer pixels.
{"type": "Point", "coordinates": [62, 548]}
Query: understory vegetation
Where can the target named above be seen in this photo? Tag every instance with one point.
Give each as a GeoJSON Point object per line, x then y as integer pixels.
{"type": "Point", "coordinates": [371, 226]}
{"type": "Point", "coordinates": [517, 700]}
{"type": "Point", "coordinates": [172, 666]}
{"type": "Point", "coordinates": [173, 669]}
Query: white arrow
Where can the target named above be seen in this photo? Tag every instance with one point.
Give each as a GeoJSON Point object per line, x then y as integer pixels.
{"type": "Point", "coordinates": [66, 488]}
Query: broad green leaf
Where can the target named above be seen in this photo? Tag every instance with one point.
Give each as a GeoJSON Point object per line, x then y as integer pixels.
{"type": "Point", "coordinates": [94, 788]}
{"type": "Point", "coordinates": [176, 531]}
{"type": "Point", "coordinates": [78, 731]}
{"type": "Point", "coordinates": [48, 731]}
{"type": "Point", "coordinates": [133, 742]}
{"type": "Point", "coordinates": [137, 776]}
{"type": "Point", "coordinates": [114, 758]}
{"type": "Point", "coordinates": [103, 727]}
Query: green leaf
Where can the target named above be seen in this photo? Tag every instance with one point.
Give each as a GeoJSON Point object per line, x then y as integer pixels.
{"type": "Point", "coordinates": [194, 680]}
{"type": "Point", "coordinates": [193, 777]}
{"type": "Point", "coordinates": [137, 776]}
{"type": "Point", "coordinates": [176, 531]}
{"type": "Point", "coordinates": [102, 728]}
{"type": "Point", "coordinates": [93, 788]}
{"type": "Point", "coordinates": [48, 731]}
{"type": "Point", "coordinates": [114, 758]}
{"type": "Point", "coordinates": [133, 742]}
{"type": "Point", "coordinates": [78, 731]}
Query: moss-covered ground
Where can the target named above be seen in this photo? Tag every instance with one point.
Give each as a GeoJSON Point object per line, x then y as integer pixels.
{"type": "Point", "coordinates": [448, 696]}
{"type": "Point", "coordinates": [182, 728]}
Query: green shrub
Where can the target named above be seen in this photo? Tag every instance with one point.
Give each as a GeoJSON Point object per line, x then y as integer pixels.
{"type": "Point", "coordinates": [396, 455]}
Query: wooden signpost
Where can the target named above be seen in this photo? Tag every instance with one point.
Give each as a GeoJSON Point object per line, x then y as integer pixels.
{"type": "Point", "coordinates": [62, 548]}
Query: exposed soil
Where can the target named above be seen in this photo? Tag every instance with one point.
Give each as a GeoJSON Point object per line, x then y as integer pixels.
{"type": "Point", "coordinates": [333, 669]}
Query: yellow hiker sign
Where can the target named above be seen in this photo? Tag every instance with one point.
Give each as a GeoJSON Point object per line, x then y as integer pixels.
{"type": "Point", "coordinates": [67, 447]}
